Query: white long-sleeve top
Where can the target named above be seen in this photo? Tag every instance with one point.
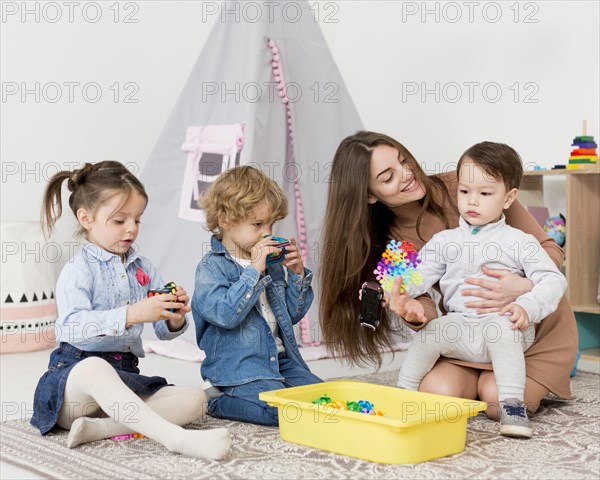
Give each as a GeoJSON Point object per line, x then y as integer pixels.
{"type": "Point", "coordinates": [453, 255]}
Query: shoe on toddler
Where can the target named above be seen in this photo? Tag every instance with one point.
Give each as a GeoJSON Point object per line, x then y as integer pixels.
{"type": "Point", "coordinates": [513, 419]}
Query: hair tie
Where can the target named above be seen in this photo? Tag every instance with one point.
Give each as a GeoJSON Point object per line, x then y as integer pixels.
{"type": "Point", "coordinates": [78, 176]}
{"type": "Point", "coordinates": [71, 184]}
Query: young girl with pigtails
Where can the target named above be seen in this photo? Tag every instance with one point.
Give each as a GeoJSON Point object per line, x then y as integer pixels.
{"type": "Point", "coordinates": [93, 386]}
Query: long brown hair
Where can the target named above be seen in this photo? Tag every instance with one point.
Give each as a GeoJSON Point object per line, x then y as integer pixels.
{"type": "Point", "coordinates": [354, 236]}
{"type": "Point", "coordinates": [90, 186]}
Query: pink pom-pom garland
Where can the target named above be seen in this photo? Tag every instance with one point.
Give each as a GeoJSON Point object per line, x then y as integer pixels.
{"type": "Point", "coordinates": [399, 259]}
{"type": "Point", "coordinates": [304, 324]}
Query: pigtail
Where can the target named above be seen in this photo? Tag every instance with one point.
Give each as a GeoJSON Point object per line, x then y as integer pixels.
{"type": "Point", "coordinates": [52, 201]}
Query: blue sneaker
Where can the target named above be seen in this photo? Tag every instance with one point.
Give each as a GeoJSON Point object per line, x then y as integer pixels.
{"type": "Point", "coordinates": [513, 419]}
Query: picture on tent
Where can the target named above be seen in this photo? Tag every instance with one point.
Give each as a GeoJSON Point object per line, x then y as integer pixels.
{"type": "Point", "coordinates": [211, 150]}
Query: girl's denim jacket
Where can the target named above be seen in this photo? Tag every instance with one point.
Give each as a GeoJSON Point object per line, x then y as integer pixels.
{"type": "Point", "coordinates": [237, 340]}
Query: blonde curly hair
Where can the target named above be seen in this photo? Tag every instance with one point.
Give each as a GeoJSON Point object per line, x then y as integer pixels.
{"type": "Point", "coordinates": [236, 193]}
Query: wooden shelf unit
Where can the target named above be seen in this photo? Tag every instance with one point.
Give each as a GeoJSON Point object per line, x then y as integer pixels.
{"type": "Point", "coordinates": [582, 247]}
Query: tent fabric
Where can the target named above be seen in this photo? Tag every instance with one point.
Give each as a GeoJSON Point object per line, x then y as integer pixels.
{"type": "Point", "coordinates": [232, 83]}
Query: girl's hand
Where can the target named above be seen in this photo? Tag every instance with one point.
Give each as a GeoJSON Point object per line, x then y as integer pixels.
{"type": "Point", "coordinates": [401, 304]}
{"type": "Point", "coordinates": [260, 251]}
{"type": "Point", "coordinates": [293, 260]}
{"type": "Point", "coordinates": [156, 308]}
{"type": "Point", "coordinates": [518, 316]}
{"type": "Point", "coordinates": [182, 296]}
{"type": "Point", "coordinates": [496, 294]}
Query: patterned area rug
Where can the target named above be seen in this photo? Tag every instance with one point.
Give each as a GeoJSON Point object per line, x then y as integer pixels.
{"type": "Point", "coordinates": [565, 445]}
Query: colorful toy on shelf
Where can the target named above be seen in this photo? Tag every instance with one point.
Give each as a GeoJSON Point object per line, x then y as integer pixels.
{"type": "Point", "coordinates": [585, 154]}
{"type": "Point", "coordinates": [399, 259]}
{"type": "Point", "coordinates": [362, 406]}
{"type": "Point", "coordinates": [555, 227]}
{"type": "Point", "coordinates": [170, 287]}
{"type": "Point", "coordinates": [278, 257]}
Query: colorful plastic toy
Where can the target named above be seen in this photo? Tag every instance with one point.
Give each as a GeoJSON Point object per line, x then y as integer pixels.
{"type": "Point", "coordinates": [555, 227]}
{"type": "Point", "coordinates": [362, 406]}
{"type": "Point", "coordinates": [584, 155]}
{"type": "Point", "coordinates": [399, 259]}
{"type": "Point", "coordinates": [278, 257]}
{"type": "Point", "coordinates": [323, 400]}
{"type": "Point", "coordinates": [120, 438]}
{"type": "Point", "coordinates": [170, 287]}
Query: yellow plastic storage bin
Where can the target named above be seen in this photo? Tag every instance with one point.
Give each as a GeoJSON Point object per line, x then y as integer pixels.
{"type": "Point", "coordinates": [416, 426]}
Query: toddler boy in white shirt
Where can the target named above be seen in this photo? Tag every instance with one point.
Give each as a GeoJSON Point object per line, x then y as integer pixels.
{"type": "Point", "coordinates": [489, 175]}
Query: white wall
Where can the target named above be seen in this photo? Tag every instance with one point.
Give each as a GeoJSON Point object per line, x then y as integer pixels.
{"type": "Point", "coordinates": [385, 50]}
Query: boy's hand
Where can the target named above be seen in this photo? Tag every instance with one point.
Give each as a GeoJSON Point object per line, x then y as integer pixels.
{"type": "Point", "coordinates": [518, 316]}
{"type": "Point", "coordinates": [260, 251]}
{"type": "Point", "coordinates": [156, 308]}
{"type": "Point", "coordinates": [293, 260]}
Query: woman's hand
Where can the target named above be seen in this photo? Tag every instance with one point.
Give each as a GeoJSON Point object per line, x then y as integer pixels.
{"type": "Point", "coordinates": [496, 294]}
{"type": "Point", "coordinates": [401, 304]}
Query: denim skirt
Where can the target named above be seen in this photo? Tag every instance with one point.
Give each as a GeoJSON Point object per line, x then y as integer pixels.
{"type": "Point", "coordinates": [49, 393]}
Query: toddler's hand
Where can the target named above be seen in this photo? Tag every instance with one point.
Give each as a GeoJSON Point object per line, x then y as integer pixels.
{"type": "Point", "coordinates": [182, 295]}
{"type": "Point", "coordinates": [293, 260]}
{"type": "Point", "coordinates": [518, 316]}
{"type": "Point", "coordinates": [156, 308]}
{"type": "Point", "coordinates": [260, 251]}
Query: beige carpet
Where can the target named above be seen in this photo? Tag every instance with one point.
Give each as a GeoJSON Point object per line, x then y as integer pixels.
{"type": "Point", "coordinates": [566, 444]}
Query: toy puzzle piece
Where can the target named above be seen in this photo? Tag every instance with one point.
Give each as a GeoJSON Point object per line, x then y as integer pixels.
{"type": "Point", "coordinates": [278, 257]}
{"type": "Point", "coordinates": [399, 259]}
{"type": "Point", "coordinates": [170, 287]}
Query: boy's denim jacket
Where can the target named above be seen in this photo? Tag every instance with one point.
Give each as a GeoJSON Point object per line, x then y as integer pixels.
{"type": "Point", "coordinates": [237, 340]}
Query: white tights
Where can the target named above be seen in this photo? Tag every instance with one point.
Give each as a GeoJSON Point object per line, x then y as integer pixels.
{"type": "Point", "coordinates": [94, 388]}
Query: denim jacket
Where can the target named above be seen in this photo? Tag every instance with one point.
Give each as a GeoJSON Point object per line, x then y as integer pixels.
{"type": "Point", "coordinates": [237, 340]}
{"type": "Point", "coordinates": [92, 295]}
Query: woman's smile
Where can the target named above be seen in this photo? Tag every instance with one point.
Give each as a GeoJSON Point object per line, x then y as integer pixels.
{"type": "Point", "coordinates": [411, 186]}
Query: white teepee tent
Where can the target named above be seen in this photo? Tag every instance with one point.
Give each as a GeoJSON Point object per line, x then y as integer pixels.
{"type": "Point", "coordinates": [267, 93]}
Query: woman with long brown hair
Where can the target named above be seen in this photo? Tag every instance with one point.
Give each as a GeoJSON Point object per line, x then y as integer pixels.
{"type": "Point", "coordinates": [379, 192]}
